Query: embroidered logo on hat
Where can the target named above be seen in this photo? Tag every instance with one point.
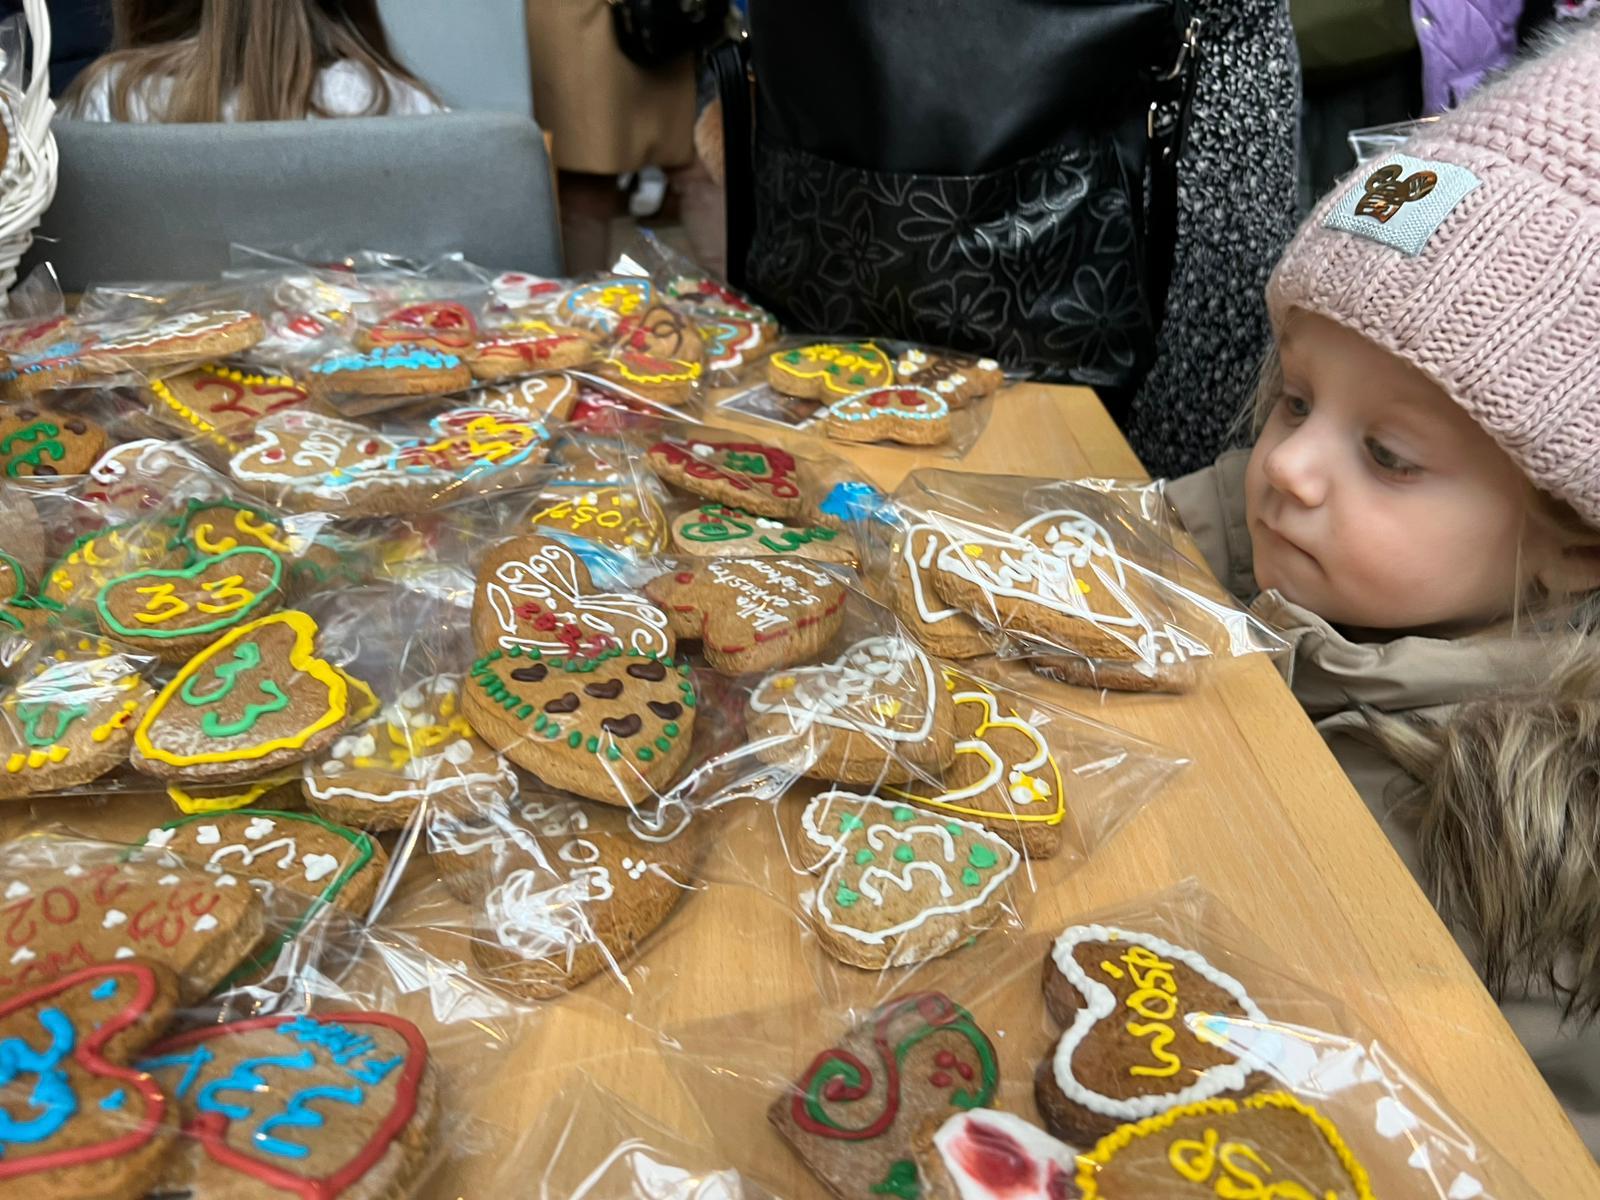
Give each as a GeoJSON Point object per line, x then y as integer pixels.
{"type": "Point", "coordinates": [1402, 202]}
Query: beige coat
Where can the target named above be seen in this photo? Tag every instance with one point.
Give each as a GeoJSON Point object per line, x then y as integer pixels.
{"type": "Point", "coordinates": [604, 114]}
{"type": "Point", "coordinates": [1413, 677]}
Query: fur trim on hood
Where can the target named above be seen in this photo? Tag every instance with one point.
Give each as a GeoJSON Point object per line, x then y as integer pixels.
{"type": "Point", "coordinates": [1506, 796]}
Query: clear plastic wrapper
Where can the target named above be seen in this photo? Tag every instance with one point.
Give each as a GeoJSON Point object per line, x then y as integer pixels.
{"type": "Point", "coordinates": [1166, 1055]}
{"type": "Point", "coordinates": [1082, 578]}
{"type": "Point", "coordinates": [358, 1064]}
{"type": "Point", "coordinates": [1374, 141]}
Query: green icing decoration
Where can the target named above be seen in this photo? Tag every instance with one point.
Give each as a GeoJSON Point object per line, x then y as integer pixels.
{"type": "Point", "coordinates": [33, 712]}
{"type": "Point", "coordinates": [981, 856]}
{"type": "Point", "coordinates": [903, 853]}
{"type": "Point", "coordinates": [246, 657]}
{"type": "Point", "coordinates": [849, 823]}
{"type": "Point", "coordinates": [213, 726]}
{"type": "Point", "coordinates": [644, 753]}
{"type": "Point", "coordinates": [575, 738]}
{"type": "Point", "coordinates": [186, 574]}
{"type": "Point", "coordinates": [902, 813]}
{"type": "Point", "coordinates": [43, 434]}
{"type": "Point", "coordinates": [971, 878]}
{"type": "Point", "coordinates": [901, 1181]}
{"type": "Point", "coordinates": [844, 897]}
{"type": "Point", "coordinates": [863, 856]}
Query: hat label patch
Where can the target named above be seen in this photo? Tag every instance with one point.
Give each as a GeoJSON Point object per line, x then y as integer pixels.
{"type": "Point", "coordinates": [1401, 201]}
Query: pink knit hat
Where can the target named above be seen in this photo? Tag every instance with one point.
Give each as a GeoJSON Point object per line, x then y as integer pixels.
{"type": "Point", "coordinates": [1474, 253]}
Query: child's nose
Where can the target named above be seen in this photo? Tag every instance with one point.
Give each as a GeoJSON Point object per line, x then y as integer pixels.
{"type": "Point", "coordinates": [1296, 467]}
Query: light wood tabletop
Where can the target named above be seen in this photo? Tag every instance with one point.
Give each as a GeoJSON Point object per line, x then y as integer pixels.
{"type": "Point", "coordinates": [1263, 819]}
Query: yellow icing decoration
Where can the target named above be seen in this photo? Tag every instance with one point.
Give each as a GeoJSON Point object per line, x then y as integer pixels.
{"type": "Point", "coordinates": [189, 803]}
{"type": "Point", "coordinates": [16, 762]}
{"type": "Point", "coordinates": [160, 594]}
{"type": "Point", "coordinates": [230, 595]}
{"type": "Point", "coordinates": [302, 658]}
{"type": "Point", "coordinates": [1244, 1173]}
{"type": "Point", "coordinates": [972, 551]}
{"type": "Point", "coordinates": [119, 721]}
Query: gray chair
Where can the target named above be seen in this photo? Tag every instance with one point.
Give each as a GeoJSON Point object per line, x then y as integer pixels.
{"type": "Point", "coordinates": [139, 202]}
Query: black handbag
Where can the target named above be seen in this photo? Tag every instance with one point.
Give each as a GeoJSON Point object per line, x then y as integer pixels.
{"type": "Point", "coordinates": [994, 176]}
{"type": "Point", "coordinates": [653, 33]}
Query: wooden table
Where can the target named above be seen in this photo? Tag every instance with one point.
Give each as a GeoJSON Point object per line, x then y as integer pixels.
{"type": "Point", "coordinates": [1263, 819]}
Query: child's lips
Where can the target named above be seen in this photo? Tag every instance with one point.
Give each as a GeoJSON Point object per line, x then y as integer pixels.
{"type": "Point", "coordinates": [1287, 542]}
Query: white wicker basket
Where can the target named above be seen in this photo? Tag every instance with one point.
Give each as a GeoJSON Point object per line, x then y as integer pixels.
{"type": "Point", "coordinates": [28, 181]}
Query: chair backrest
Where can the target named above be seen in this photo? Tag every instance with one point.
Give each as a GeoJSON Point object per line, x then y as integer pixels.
{"type": "Point", "coordinates": [137, 202]}
{"type": "Point", "coordinates": [474, 55]}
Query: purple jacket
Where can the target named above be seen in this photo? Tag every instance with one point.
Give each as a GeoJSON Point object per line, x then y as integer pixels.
{"type": "Point", "coordinates": [1462, 41]}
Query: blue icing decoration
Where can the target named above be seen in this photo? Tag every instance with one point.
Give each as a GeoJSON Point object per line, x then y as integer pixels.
{"type": "Point", "coordinates": [105, 990]}
{"type": "Point", "coordinates": [297, 1114]}
{"type": "Point", "coordinates": [377, 1070]}
{"type": "Point", "coordinates": [410, 358]}
{"type": "Point", "coordinates": [115, 1101]}
{"type": "Point", "coordinates": [244, 1078]}
{"type": "Point", "coordinates": [341, 1043]}
{"type": "Point", "coordinates": [195, 1061]}
{"type": "Point", "coordinates": [855, 501]}
{"type": "Point", "coordinates": [52, 1094]}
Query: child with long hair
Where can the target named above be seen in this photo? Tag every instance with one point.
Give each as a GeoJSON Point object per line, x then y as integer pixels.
{"type": "Point", "coordinates": [1421, 513]}
{"type": "Point", "coordinates": [246, 60]}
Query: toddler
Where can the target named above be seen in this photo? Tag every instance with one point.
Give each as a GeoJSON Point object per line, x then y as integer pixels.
{"type": "Point", "coordinates": [1421, 514]}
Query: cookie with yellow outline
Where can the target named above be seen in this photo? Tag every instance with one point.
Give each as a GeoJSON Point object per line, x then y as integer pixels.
{"type": "Point", "coordinates": [70, 719]}
{"type": "Point", "coordinates": [669, 381]}
{"type": "Point", "coordinates": [662, 331]}
{"type": "Point", "coordinates": [1266, 1145]}
{"type": "Point", "coordinates": [1004, 775]}
{"type": "Point", "coordinates": [219, 402]}
{"type": "Point", "coordinates": [418, 750]}
{"type": "Point", "coordinates": [829, 370]}
{"type": "Point", "coordinates": [175, 612]}
{"type": "Point", "coordinates": [256, 700]}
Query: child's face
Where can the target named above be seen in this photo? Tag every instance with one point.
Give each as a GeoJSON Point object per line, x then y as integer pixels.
{"type": "Point", "coordinates": [1375, 501]}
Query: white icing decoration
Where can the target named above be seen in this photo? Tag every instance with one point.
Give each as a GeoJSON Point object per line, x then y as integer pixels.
{"type": "Point", "coordinates": [549, 580]}
{"type": "Point", "coordinates": [917, 563]}
{"type": "Point", "coordinates": [16, 888]}
{"type": "Point", "coordinates": [848, 693]}
{"type": "Point", "coordinates": [536, 918]}
{"type": "Point", "coordinates": [767, 602]}
{"type": "Point", "coordinates": [113, 918]}
{"type": "Point", "coordinates": [23, 955]}
{"type": "Point", "coordinates": [248, 854]}
{"type": "Point", "coordinates": [205, 923]}
{"type": "Point", "coordinates": [122, 952]}
{"type": "Point", "coordinates": [1101, 1002]}
{"type": "Point", "coordinates": [882, 834]}
{"type": "Point", "coordinates": [73, 872]}
{"type": "Point", "coordinates": [259, 827]}
{"type": "Point", "coordinates": [859, 408]}
{"type": "Point", "coordinates": [177, 325]}
{"type": "Point", "coordinates": [318, 866]}
{"type": "Point", "coordinates": [208, 835]}
{"type": "Point", "coordinates": [227, 881]}
{"type": "Point", "coordinates": [1042, 1151]}
{"type": "Point", "coordinates": [168, 880]}
{"type": "Point", "coordinates": [157, 839]}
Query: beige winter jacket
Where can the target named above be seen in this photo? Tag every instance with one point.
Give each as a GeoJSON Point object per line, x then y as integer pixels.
{"type": "Point", "coordinates": [1415, 677]}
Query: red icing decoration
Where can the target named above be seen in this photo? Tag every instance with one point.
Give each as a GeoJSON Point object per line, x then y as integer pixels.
{"type": "Point", "coordinates": [994, 1158]}
{"type": "Point", "coordinates": [939, 1079]}
{"type": "Point", "coordinates": [684, 576]}
{"type": "Point", "coordinates": [441, 321]}
{"type": "Point", "coordinates": [87, 1056]}
{"type": "Point", "coordinates": [779, 482]}
{"type": "Point", "coordinates": [212, 1128]}
{"type": "Point", "coordinates": [944, 1059]}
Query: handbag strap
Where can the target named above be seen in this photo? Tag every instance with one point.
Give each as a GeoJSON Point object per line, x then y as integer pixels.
{"type": "Point", "coordinates": [730, 69]}
{"type": "Point", "coordinates": [1167, 125]}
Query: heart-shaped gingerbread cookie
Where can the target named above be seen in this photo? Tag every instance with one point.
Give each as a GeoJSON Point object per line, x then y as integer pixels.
{"type": "Point", "coordinates": [1130, 1051]}
{"type": "Point", "coordinates": [753, 475]}
{"type": "Point", "coordinates": [256, 700]}
{"type": "Point", "coordinates": [173, 613]}
{"type": "Point", "coordinates": [614, 727]}
{"type": "Point", "coordinates": [221, 402]}
{"type": "Point", "coordinates": [871, 716]}
{"type": "Point", "coordinates": [828, 370]}
{"type": "Point", "coordinates": [602, 305]}
{"type": "Point", "coordinates": [942, 628]}
{"type": "Point", "coordinates": [912, 415]}
{"type": "Point", "coordinates": [312, 1106]}
{"type": "Point", "coordinates": [534, 593]}
{"type": "Point", "coordinates": [95, 559]}
{"type": "Point", "coordinates": [95, 1128]}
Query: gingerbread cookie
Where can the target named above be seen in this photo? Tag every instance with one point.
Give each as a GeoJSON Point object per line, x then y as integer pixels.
{"type": "Point", "coordinates": [43, 356]}
{"type": "Point", "coordinates": [752, 614]}
{"type": "Point", "coordinates": [524, 292]}
{"type": "Point", "coordinates": [829, 370]}
{"type": "Point", "coordinates": [58, 919]}
{"type": "Point", "coordinates": [669, 381]}
{"type": "Point", "coordinates": [854, 1115]}
{"type": "Point", "coordinates": [300, 853]}
{"type": "Point", "coordinates": [982, 1154]}
{"type": "Point", "coordinates": [341, 1105]}
{"type": "Point", "coordinates": [1130, 1051]}
{"type": "Point", "coordinates": [95, 559]}
{"type": "Point", "coordinates": [717, 531]}
{"type": "Point", "coordinates": [615, 727]}
{"type": "Point", "coordinates": [660, 331]}
{"type": "Point", "coordinates": [179, 337]}
{"type": "Point", "coordinates": [88, 1126]}
{"type": "Point", "coordinates": [730, 342]}
{"type": "Point", "coordinates": [705, 295]}
{"type": "Point", "coordinates": [70, 720]}
{"type": "Point", "coordinates": [507, 354]}
{"type": "Point", "coordinates": [418, 749]}
{"type": "Point", "coordinates": [897, 886]}
{"type": "Point", "coordinates": [534, 593]}
{"type": "Point", "coordinates": [208, 527]}
{"type": "Point", "coordinates": [911, 415]}
{"type": "Point", "coordinates": [254, 701]}
{"type": "Point", "coordinates": [750, 475]}
{"type": "Point", "coordinates": [138, 475]}
{"type": "Point", "coordinates": [21, 544]}
{"type": "Point", "coordinates": [174, 613]}
{"type": "Point", "coordinates": [623, 517]}
{"type": "Point", "coordinates": [941, 628]}
{"type": "Point", "coordinates": [1004, 774]}
{"type": "Point", "coordinates": [1269, 1144]}
{"type": "Point", "coordinates": [402, 370]}
{"type": "Point", "coordinates": [220, 402]}
{"type": "Point", "coordinates": [953, 377]}
{"type": "Point", "coordinates": [281, 789]}
{"type": "Point", "coordinates": [38, 442]}
{"type": "Point", "coordinates": [563, 890]}
{"type": "Point", "coordinates": [603, 305]}
{"type": "Point", "coordinates": [431, 324]}
{"type": "Point", "coordinates": [874, 715]}
{"type": "Point", "coordinates": [544, 397]}
{"type": "Point", "coordinates": [1056, 576]}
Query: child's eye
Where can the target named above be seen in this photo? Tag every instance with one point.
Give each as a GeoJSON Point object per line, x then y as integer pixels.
{"type": "Point", "coordinates": [1388, 460]}
{"type": "Point", "coordinates": [1296, 408]}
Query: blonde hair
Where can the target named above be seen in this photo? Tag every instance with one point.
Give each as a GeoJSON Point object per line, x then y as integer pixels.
{"type": "Point", "coordinates": [256, 60]}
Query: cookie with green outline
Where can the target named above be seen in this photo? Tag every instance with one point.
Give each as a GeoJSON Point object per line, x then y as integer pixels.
{"type": "Point", "coordinates": [74, 580]}
{"type": "Point", "coordinates": [215, 526]}
{"type": "Point", "coordinates": [256, 700]}
{"type": "Point", "coordinates": [172, 614]}
{"type": "Point", "coordinates": [39, 442]}
{"type": "Point", "coordinates": [70, 719]}
{"type": "Point", "coordinates": [855, 1113]}
{"type": "Point", "coordinates": [614, 727]}
{"type": "Point", "coordinates": [719, 531]}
